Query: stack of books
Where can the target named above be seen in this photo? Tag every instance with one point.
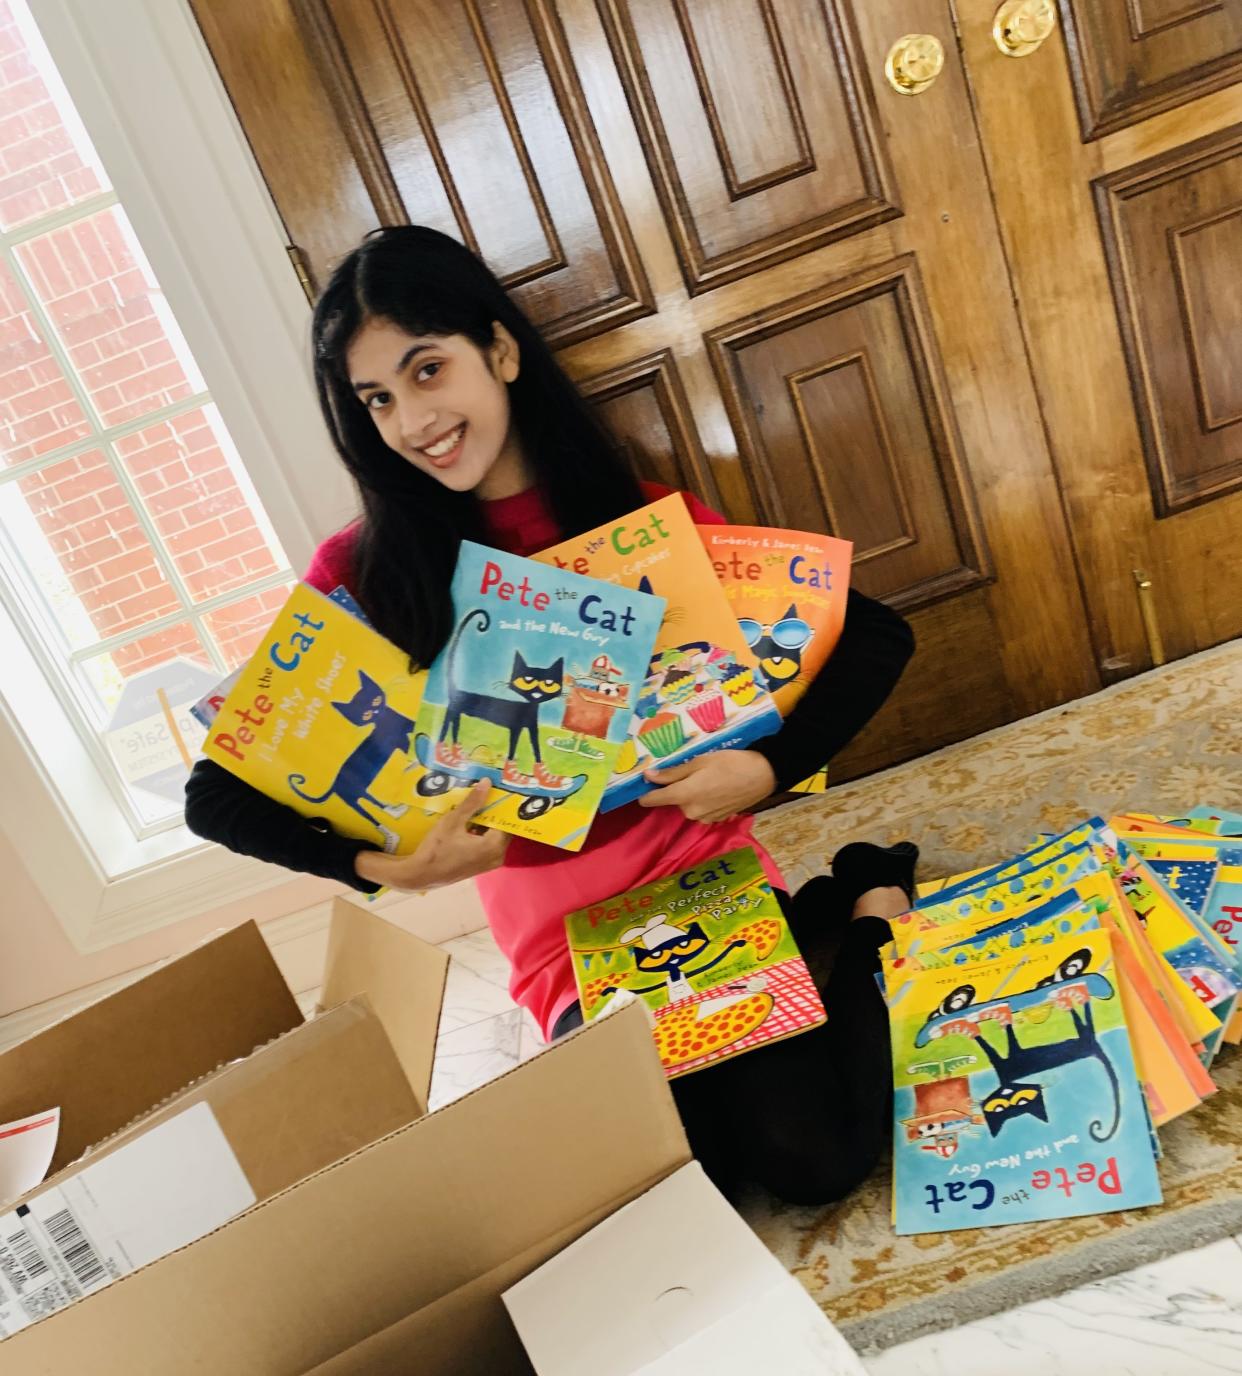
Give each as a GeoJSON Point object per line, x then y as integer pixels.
{"type": "Point", "coordinates": [644, 643]}
{"type": "Point", "coordinates": [1050, 1014]}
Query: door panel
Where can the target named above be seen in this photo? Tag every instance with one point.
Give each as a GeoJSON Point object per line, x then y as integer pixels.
{"type": "Point", "coordinates": [1173, 229]}
{"type": "Point", "coordinates": [1130, 59]}
{"type": "Point", "coordinates": [1124, 254]}
{"type": "Point", "coordinates": [644, 406]}
{"type": "Point", "coordinates": [760, 141]}
{"type": "Point", "coordinates": [847, 427]}
{"type": "Point", "coordinates": [461, 116]}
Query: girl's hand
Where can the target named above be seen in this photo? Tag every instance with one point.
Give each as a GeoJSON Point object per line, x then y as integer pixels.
{"type": "Point", "coordinates": [712, 788]}
{"type": "Point", "coordinates": [453, 849]}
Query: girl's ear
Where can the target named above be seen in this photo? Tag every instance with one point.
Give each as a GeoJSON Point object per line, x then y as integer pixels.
{"type": "Point", "coordinates": [506, 356]}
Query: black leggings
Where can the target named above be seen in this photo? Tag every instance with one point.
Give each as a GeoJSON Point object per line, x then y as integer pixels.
{"type": "Point", "coordinates": [807, 1117]}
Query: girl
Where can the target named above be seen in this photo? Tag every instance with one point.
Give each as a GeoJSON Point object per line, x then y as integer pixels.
{"type": "Point", "coordinates": [457, 423]}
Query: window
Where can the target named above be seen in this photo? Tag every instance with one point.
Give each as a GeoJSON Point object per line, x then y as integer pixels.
{"type": "Point", "coordinates": [135, 555]}
{"type": "Point", "coordinates": [163, 467]}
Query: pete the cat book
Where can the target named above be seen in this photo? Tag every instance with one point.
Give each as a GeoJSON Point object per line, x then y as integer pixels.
{"type": "Point", "coordinates": [709, 950]}
{"type": "Point", "coordinates": [535, 692]}
{"type": "Point", "coordinates": [702, 690]}
{"type": "Point", "coordinates": [788, 590]}
{"type": "Point", "coordinates": [321, 718]}
{"type": "Point", "coordinates": [1016, 1096]}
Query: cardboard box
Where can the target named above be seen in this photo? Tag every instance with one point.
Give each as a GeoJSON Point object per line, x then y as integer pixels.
{"type": "Point", "coordinates": [673, 1283]}
{"type": "Point", "coordinates": [396, 1257]}
{"type": "Point", "coordinates": [312, 1096]}
{"type": "Point", "coordinates": [117, 1058]}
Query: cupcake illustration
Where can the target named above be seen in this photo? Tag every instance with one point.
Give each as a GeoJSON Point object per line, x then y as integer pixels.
{"type": "Point", "coordinates": [739, 685]}
{"type": "Point", "coordinates": [678, 687]}
{"type": "Point", "coordinates": [662, 734]}
{"type": "Point", "coordinates": [707, 710]}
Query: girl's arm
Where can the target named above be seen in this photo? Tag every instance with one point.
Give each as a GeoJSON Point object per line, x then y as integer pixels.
{"type": "Point", "coordinates": [875, 646]}
{"type": "Point", "coordinates": [221, 807]}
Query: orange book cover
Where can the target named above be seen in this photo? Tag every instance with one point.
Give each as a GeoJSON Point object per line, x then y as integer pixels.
{"type": "Point", "coordinates": [702, 691]}
{"type": "Point", "coordinates": [788, 590]}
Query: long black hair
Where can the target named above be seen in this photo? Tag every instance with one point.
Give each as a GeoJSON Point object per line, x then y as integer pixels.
{"type": "Point", "coordinates": [412, 526]}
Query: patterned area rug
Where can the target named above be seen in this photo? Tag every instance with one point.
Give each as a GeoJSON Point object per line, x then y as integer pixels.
{"type": "Point", "coordinates": [1161, 742]}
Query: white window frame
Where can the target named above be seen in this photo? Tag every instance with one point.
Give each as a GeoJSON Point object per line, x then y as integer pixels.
{"type": "Point", "coordinates": [151, 100]}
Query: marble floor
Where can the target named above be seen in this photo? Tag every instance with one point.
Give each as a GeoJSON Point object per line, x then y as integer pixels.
{"type": "Point", "coordinates": [1178, 1317]}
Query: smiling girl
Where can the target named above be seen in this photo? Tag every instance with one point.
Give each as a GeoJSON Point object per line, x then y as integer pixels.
{"type": "Point", "coordinates": [456, 423]}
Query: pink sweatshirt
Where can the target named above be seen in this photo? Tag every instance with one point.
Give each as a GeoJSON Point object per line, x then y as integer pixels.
{"type": "Point", "coordinates": [527, 898]}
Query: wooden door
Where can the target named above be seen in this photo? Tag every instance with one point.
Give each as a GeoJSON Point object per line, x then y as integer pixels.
{"type": "Point", "coordinates": [781, 280]}
{"type": "Point", "coordinates": [1116, 155]}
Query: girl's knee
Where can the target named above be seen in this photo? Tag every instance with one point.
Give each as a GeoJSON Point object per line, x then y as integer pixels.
{"type": "Point", "coordinates": [800, 1177]}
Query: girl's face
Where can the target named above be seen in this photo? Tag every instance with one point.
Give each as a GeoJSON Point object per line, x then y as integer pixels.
{"type": "Point", "coordinates": [442, 404]}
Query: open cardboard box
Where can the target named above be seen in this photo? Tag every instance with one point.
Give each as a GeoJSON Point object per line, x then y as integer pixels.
{"type": "Point", "coordinates": [393, 1258]}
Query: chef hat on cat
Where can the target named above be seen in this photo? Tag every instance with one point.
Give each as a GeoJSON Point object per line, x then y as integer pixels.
{"type": "Point", "coordinates": [657, 931]}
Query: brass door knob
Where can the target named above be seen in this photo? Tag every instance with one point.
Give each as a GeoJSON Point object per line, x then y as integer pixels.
{"type": "Point", "coordinates": [913, 63]}
{"type": "Point", "coordinates": [1021, 26]}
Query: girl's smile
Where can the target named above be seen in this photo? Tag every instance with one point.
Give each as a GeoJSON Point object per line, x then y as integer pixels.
{"type": "Point", "coordinates": [445, 451]}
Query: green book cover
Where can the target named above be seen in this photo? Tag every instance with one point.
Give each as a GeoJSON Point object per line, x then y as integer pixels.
{"type": "Point", "coordinates": [709, 950]}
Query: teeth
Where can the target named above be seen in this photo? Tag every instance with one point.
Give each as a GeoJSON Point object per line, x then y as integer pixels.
{"type": "Point", "coordinates": [444, 446]}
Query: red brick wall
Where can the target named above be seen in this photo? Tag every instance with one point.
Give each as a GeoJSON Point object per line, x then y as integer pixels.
{"type": "Point", "coordinates": [110, 317]}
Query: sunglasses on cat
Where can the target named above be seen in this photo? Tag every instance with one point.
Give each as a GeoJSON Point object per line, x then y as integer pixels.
{"type": "Point", "coordinates": [792, 633]}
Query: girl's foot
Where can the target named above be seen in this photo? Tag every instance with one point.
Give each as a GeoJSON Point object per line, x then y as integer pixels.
{"type": "Point", "coordinates": [860, 866]}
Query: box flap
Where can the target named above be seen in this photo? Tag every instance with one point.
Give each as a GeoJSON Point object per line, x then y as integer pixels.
{"type": "Point", "coordinates": [402, 976]}
{"type": "Point", "coordinates": [584, 1127]}
{"type": "Point", "coordinates": [117, 1058]}
{"type": "Point", "coordinates": [673, 1282]}
{"type": "Point", "coordinates": [296, 1105]}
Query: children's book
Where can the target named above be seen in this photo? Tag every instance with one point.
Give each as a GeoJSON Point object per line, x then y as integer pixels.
{"type": "Point", "coordinates": [1016, 1092]}
{"type": "Point", "coordinates": [1046, 850]}
{"type": "Point", "coordinates": [206, 708]}
{"type": "Point", "coordinates": [321, 718]}
{"type": "Point", "coordinates": [535, 692]}
{"type": "Point", "coordinates": [994, 902]}
{"type": "Point", "coordinates": [702, 689]}
{"type": "Point", "coordinates": [788, 590]}
{"type": "Point", "coordinates": [709, 950]}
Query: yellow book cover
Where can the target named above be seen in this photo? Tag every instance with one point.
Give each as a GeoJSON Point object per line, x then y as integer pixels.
{"type": "Point", "coordinates": [321, 719]}
{"type": "Point", "coordinates": [703, 690]}
{"type": "Point", "coordinates": [938, 920]}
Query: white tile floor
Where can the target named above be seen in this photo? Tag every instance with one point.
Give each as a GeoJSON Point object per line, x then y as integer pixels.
{"type": "Point", "coordinates": [1179, 1317]}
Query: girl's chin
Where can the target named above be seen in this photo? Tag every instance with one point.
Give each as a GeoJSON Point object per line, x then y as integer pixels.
{"type": "Point", "coordinates": [462, 476]}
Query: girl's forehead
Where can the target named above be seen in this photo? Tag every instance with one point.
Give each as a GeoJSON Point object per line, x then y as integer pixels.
{"type": "Point", "coordinates": [384, 346]}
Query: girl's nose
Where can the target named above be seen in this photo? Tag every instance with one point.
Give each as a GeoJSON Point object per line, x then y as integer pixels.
{"type": "Point", "coordinates": [418, 424]}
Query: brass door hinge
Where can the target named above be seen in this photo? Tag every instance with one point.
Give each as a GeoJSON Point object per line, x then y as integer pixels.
{"type": "Point", "coordinates": [298, 259]}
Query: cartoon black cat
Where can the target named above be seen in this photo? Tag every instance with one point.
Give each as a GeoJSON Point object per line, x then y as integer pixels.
{"type": "Point", "coordinates": [778, 648]}
{"type": "Point", "coordinates": [1016, 1095]}
{"type": "Point", "coordinates": [389, 735]}
{"type": "Point", "coordinates": [533, 684]}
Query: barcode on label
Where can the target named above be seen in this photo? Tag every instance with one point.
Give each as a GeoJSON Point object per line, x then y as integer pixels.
{"type": "Point", "coordinates": [75, 1247]}
{"type": "Point", "coordinates": [22, 1261]}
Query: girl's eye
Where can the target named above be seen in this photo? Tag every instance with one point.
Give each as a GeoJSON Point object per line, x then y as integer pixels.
{"type": "Point", "coordinates": [428, 371]}
{"type": "Point", "coordinates": [376, 400]}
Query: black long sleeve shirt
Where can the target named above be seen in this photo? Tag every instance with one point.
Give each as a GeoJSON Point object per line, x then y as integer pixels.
{"type": "Point", "coordinates": [875, 646]}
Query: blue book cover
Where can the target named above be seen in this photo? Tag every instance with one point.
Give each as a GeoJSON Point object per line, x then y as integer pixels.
{"type": "Point", "coordinates": [1016, 1095]}
{"type": "Point", "coordinates": [534, 692]}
